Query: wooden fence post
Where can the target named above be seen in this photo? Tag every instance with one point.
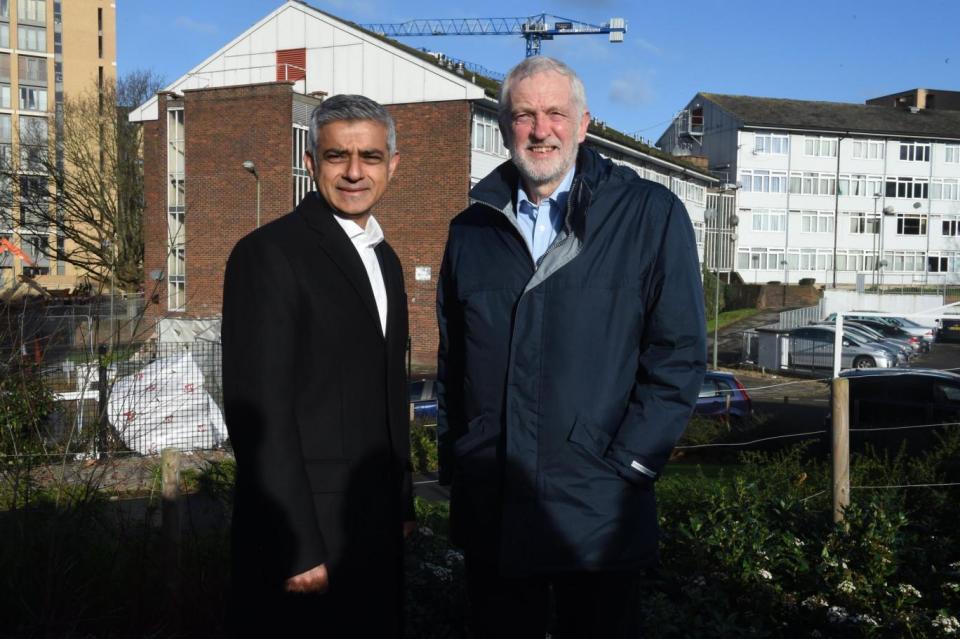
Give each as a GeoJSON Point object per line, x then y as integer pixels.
{"type": "Point", "coordinates": [170, 527]}
{"type": "Point", "coordinates": [840, 435]}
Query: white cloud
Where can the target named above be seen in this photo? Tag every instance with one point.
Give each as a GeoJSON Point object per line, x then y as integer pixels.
{"type": "Point", "coordinates": [647, 45]}
{"type": "Point", "coordinates": [189, 24]}
{"type": "Point", "coordinates": [632, 89]}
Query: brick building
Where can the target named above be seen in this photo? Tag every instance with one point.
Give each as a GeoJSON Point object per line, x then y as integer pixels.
{"type": "Point", "coordinates": [251, 101]}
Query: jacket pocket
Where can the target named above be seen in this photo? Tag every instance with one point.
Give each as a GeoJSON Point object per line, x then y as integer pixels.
{"type": "Point", "coordinates": [478, 435]}
{"type": "Point", "coordinates": [592, 444]}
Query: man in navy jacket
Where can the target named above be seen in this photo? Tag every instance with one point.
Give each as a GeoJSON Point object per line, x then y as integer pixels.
{"type": "Point", "coordinates": [572, 349]}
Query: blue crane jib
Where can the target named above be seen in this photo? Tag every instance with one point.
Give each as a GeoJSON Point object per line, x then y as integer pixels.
{"type": "Point", "coordinates": [534, 29]}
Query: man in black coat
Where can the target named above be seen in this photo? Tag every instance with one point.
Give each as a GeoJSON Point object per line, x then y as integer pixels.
{"type": "Point", "coordinates": [314, 334]}
{"type": "Point", "coordinates": [572, 349]}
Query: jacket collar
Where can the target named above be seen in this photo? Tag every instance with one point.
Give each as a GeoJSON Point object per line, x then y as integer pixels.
{"type": "Point", "coordinates": [318, 216]}
{"type": "Point", "coordinates": [497, 190]}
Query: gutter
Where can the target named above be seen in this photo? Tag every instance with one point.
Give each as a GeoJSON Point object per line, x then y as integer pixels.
{"type": "Point", "coordinates": [871, 134]}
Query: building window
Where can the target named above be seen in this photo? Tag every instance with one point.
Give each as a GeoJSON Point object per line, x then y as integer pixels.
{"type": "Point", "coordinates": [4, 35]}
{"type": "Point", "coordinates": [915, 151]}
{"type": "Point", "coordinates": [761, 181]}
{"type": "Point", "coordinates": [951, 227]}
{"type": "Point", "coordinates": [486, 135]}
{"type": "Point", "coordinates": [4, 9]}
{"type": "Point", "coordinates": [944, 189]}
{"type": "Point", "coordinates": [771, 144]}
{"type": "Point", "coordinates": [868, 149]}
{"type": "Point", "coordinates": [4, 67]}
{"type": "Point", "coordinates": [34, 203]}
{"type": "Point", "coordinates": [809, 183]}
{"type": "Point", "coordinates": [952, 153]}
{"type": "Point", "coordinates": [33, 99]}
{"type": "Point", "coordinates": [33, 142]}
{"type": "Point", "coordinates": [943, 262]}
{"type": "Point", "coordinates": [176, 212]}
{"type": "Point", "coordinates": [32, 70]}
{"type": "Point", "coordinates": [302, 182]}
{"type": "Point", "coordinates": [34, 11]}
{"type": "Point", "coordinates": [905, 187]}
{"type": "Point", "coordinates": [760, 258]}
{"type": "Point", "coordinates": [769, 220]}
{"type": "Point", "coordinates": [855, 260]}
{"type": "Point", "coordinates": [6, 141]}
{"type": "Point", "coordinates": [37, 248]}
{"type": "Point", "coordinates": [816, 221]}
{"type": "Point", "coordinates": [911, 224]}
{"type": "Point", "coordinates": [820, 147]}
{"type": "Point", "coordinates": [6, 204]}
{"type": "Point", "coordinates": [31, 38]}
{"type": "Point", "coordinates": [698, 231]}
{"type": "Point", "coordinates": [904, 261]}
{"type": "Point", "coordinates": [4, 96]}
{"type": "Point", "coordinates": [864, 223]}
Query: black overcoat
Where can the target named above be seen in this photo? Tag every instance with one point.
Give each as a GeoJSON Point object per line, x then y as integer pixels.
{"type": "Point", "coordinates": [316, 409]}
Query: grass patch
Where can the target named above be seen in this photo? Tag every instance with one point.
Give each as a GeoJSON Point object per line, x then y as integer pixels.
{"type": "Point", "coordinates": [729, 317]}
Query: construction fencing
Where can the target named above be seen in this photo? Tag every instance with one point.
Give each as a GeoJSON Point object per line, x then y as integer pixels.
{"type": "Point", "coordinates": [137, 398]}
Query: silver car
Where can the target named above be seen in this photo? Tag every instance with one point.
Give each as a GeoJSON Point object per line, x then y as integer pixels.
{"type": "Point", "coordinates": [812, 347]}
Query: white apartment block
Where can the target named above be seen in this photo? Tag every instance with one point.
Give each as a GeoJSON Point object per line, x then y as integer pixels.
{"type": "Point", "coordinates": [830, 190]}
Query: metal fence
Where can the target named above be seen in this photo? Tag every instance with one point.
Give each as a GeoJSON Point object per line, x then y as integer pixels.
{"type": "Point", "coordinates": [798, 317]}
{"type": "Point", "coordinates": [138, 398]}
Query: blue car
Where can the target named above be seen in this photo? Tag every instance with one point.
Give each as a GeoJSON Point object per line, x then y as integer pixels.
{"type": "Point", "coordinates": [423, 400]}
{"type": "Point", "coordinates": [722, 396]}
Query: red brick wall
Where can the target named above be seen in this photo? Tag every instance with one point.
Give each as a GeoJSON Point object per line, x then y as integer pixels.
{"type": "Point", "coordinates": [428, 190]}
{"type": "Point", "coordinates": [223, 128]}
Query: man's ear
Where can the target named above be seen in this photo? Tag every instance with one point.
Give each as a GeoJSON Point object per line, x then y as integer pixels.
{"type": "Point", "coordinates": [394, 163]}
{"type": "Point", "coordinates": [308, 162]}
{"type": "Point", "coordinates": [584, 125]}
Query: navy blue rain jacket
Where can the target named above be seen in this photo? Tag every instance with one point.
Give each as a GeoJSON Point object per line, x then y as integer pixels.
{"type": "Point", "coordinates": [563, 386]}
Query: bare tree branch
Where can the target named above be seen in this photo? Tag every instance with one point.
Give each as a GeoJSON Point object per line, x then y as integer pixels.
{"type": "Point", "coordinates": [85, 186]}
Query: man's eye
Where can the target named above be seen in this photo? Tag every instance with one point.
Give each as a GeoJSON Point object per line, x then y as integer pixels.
{"type": "Point", "coordinates": [523, 118]}
{"type": "Point", "coordinates": [334, 157]}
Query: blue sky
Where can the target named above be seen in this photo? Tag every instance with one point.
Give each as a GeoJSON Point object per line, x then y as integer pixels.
{"type": "Point", "coordinates": [839, 50]}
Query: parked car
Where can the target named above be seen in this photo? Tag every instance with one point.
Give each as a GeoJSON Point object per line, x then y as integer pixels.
{"type": "Point", "coordinates": [924, 332]}
{"type": "Point", "coordinates": [890, 330]}
{"type": "Point", "coordinates": [883, 399]}
{"type": "Point", "coordinates": [901, 351]}
{"type": "Point", "coordinates": [723, 396]}
{"type": "Point", "coordinates": [949, 330]}
{"type": "Point", "coordinates": [812, 347]}
{"type": "Point", "coordinates": [423, 399]}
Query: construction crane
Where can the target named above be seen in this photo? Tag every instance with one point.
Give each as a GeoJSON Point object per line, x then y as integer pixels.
{"type": "Point", "coordinates": [533, 29]}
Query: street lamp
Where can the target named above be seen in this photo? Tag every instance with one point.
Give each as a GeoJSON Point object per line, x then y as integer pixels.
{"type": "Point", "coordinates": [887, 212]}
{"type": "Point", "coordinates": [713, 215]}
{"type": "Point", "coordinates": [251, 168]}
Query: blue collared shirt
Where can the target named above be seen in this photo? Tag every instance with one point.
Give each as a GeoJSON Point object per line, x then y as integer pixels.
{"type": "Point", "coordinates": [540, 224]}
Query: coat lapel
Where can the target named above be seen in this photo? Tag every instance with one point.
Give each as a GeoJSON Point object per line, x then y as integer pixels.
{"type": "Point", "coordinates": [335, 243]}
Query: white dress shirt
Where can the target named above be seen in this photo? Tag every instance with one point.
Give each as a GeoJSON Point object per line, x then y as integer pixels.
{"type": "Point", "coordinates": [365, 241]}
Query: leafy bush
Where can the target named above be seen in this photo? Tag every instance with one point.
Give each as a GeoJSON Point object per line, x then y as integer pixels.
{"type": "Point", "coordinates": [423, 448]}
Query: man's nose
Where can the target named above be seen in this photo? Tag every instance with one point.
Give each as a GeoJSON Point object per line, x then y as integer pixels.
{"type": "Point", "coordinates": [354, 168]}
{"type": "Point", "coordinates": [541, 127]}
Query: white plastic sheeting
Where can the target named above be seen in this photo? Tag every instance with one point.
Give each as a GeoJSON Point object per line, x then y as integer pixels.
{"type": "Point", "coordinates": [165, 405]}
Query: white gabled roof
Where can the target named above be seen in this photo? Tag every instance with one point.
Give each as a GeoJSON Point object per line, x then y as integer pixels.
{"type": "Point", "coordinates": [340, 59]}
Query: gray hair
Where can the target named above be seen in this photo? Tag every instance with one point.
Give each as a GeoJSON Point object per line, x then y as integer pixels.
{"type": "Point", "coordinates": [533, 66]}
{"type": "Point", "coordinates": [350, 107]}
